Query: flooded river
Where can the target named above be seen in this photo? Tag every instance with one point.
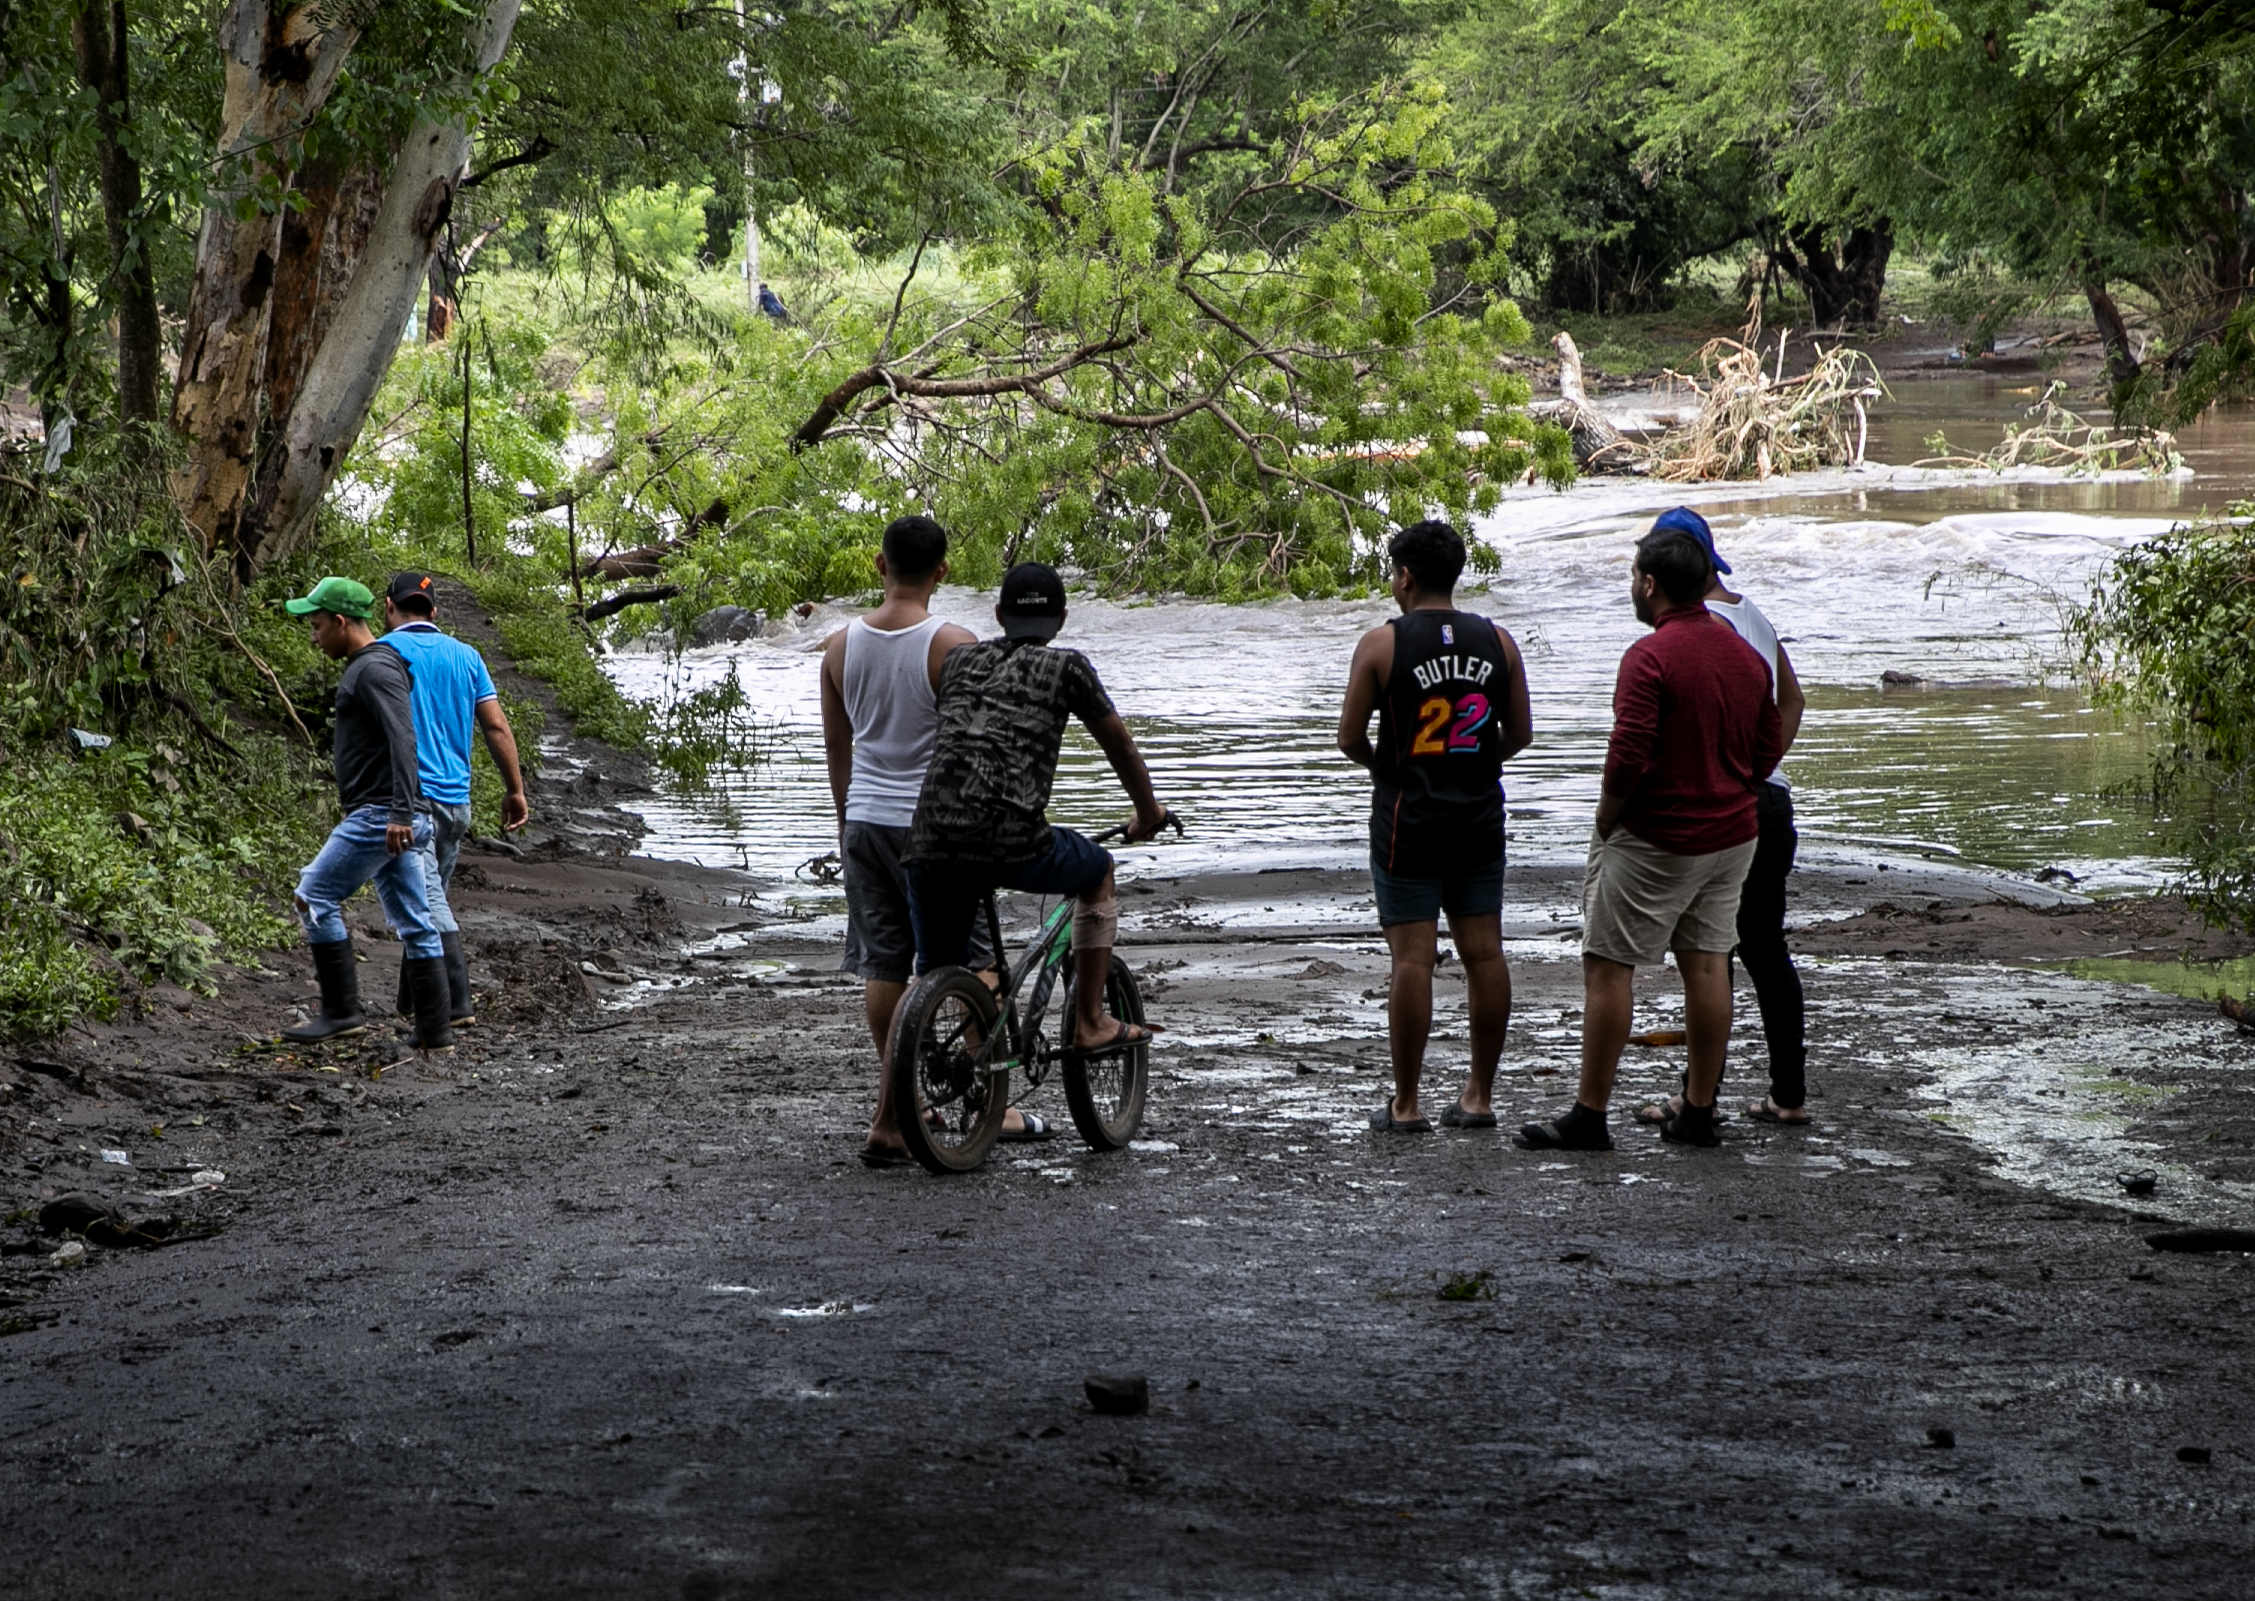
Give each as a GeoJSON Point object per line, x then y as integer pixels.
{"type": "Point", "coordinates": [1952, 578]}
{"type": "Point", "coordinates": [1992, 764]}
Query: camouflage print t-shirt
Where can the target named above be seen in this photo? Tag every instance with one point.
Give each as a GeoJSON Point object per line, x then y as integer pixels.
{"type": "Point", "coordinates": [1002, 706]}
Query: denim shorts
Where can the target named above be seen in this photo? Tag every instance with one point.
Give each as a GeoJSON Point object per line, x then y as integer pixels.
{"type": "Point", "coordinates": [1477, 893]}
{"type": "Point", "coordinates": [944, 897]}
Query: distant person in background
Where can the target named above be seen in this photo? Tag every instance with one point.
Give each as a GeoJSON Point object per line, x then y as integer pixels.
{"type": "Point", "coordinates": [771, 307]}
{"type": "Point", "coordinates": [384, 830]}
{"type": "Point", "coordinates": [1761, 905]}
{"type": "Point", "coordinates": [1450, 692]}
{"type": "Point", "coordinates": [879, 720]}
{"type": "Point", "coordinates": [453, 693]}
{"type": "Point", "coordinates": [1695, 732]}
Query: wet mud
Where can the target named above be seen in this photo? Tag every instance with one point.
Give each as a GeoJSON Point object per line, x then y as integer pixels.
{"type": "Point", "coordinates": [602, 1303]}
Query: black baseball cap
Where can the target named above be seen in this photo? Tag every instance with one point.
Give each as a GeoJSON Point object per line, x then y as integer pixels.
{"type": "Point", "coordinates": [1033, 601]}
{"type": "Point", "coordinates": [412, 586]}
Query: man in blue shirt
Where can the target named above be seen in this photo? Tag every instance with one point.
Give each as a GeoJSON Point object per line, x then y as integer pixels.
{"type": "Point", "coordinates": [453, 694]}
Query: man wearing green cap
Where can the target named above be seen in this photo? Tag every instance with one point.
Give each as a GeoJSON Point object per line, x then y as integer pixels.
{"type": "Point", "coordinates": [385, 826]}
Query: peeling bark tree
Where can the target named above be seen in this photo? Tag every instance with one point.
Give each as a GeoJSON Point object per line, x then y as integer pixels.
{"type": "Point", "coordinates": [295, 314]}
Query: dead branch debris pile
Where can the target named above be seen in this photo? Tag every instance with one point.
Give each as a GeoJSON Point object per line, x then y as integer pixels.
{"type": "Point", "coordinates": [2057, 438]}
{"type": "Point", "coordinates": [1755, 423]}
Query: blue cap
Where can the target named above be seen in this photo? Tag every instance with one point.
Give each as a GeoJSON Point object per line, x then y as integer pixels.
{"type": "Point", "coordinates": [1683, 520]}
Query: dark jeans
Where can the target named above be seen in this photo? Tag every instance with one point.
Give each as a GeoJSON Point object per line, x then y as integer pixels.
{"type": "Point", "coordinates": [1761, 947]}
{"type": "Point", "coordinates": [945, 898]}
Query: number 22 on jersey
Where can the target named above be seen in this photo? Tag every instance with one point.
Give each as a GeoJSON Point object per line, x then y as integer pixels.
{"type": "Point", "coordinates": [1444, 726]}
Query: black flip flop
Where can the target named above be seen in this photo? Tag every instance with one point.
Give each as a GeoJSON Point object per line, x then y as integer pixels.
{"type": "Point", "coordinates": [1762, 1111]}
{"type": "Point", "coordinates": [1383, 1121]}
{"type": "Point", "coordinates": [1457, 1117]}
{"type": "Point", "coordinates": [1036, 1129]}
{"type": "Point", "coordinates": [885, 1156]}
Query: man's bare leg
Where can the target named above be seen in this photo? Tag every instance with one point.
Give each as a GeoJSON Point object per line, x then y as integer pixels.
{"type": "Point", "coordinates": [1409, 1009]}
{"type": "Point", "coordinates": [1706, 1020]}
{"type": "Point", "coordinates": [1487, 986]}
{"type": "Point", "coordinates": [1608, 991]}
{"type": "Point", "coordinates": [1096, 926]}
{"type": "Point", "coordinates": [880, 999]}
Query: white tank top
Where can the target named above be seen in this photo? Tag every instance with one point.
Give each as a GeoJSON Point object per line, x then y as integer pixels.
{"type": "Point", "coordinates": [888, 692]}
{"type": "Point", "coordinates": [1743, 615]}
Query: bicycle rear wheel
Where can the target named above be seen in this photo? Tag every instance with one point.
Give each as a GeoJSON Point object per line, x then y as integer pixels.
{"type": "Point", "coordinates": [950, 1108]}
{"type": "Point", "coordinates": [1105, 1093]}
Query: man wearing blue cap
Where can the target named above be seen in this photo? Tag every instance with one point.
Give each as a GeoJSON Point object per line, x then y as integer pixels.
{"type": "Point", "coordinates": [1695, 732]}
{"type": "Point", "coordinates": [1761, 905]}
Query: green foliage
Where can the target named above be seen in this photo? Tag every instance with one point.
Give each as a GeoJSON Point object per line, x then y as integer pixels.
{"type": "Point", "coordinates": [2169, 634]}
{"type": "Point", "coordinates": [177, 843]}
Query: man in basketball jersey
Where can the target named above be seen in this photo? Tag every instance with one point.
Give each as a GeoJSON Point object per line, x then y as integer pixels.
{"type": "Point", "coordinates": [878, 724]}
{"type": "Point", "coordinates": [1450, 692]}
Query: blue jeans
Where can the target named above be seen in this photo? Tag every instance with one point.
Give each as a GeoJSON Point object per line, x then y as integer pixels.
{"type": "Point", "coordinates": [356, 854]}
{"type": "Point", "coordinates": [944, 897]}
{"type": "Point", "coordinates": [450, 826]}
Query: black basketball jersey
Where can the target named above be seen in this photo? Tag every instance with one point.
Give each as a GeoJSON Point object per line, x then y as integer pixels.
{"type": "Point", "coordinates": [1438, 804]}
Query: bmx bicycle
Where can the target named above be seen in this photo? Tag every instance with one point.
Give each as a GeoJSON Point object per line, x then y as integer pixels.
{"type": "Point", "coordinates": [956, 1042]}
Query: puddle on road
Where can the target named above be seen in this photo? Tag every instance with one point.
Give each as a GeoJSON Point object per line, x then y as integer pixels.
{"type": "Point", "coordinates": [2044, 1100]}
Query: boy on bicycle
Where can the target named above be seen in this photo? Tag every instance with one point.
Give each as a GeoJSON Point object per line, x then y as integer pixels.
{"type": "Point", "coordinates": [982, 818]}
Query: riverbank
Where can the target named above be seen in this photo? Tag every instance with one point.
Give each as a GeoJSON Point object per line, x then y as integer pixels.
{"type": "Point", "coordinates": [602, 1303]}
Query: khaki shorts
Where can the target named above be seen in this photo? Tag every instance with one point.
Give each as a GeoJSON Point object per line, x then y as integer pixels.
{"type": "Point", "coordinates": [1639, 901]}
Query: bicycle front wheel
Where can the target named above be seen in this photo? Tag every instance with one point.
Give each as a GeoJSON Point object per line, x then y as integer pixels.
{"type": "Point", "coordinates": [1105, 1092]}
{"type": "Point", "coordinates": [949, 1106]}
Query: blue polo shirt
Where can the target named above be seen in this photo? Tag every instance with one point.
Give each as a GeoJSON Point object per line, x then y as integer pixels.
{"type": "Point", "coordinates": [450, 681]}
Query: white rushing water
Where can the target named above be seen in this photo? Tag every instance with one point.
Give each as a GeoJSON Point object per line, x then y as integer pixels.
{"type": "Point", "coordinates": [1955, 578]}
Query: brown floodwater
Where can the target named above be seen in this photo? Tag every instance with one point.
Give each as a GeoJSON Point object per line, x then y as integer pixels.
{"type": "Point", "coordinates": [1954, 578]}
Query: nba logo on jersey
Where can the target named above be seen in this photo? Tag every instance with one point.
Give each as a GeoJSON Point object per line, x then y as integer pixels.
{"type": "Point", "coordinates": [1448, 633]}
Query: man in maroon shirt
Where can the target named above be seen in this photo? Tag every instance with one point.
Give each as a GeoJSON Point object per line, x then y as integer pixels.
{"type": "Point", "coordinates": [1695, 732]}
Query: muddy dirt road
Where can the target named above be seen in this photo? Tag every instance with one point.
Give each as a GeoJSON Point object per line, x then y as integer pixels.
{"type": "Point", "coordinates": [603, 1304]}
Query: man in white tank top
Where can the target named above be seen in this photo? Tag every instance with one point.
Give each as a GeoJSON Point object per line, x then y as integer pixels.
{"type": "Point", "coordinates": [1761, 905]}
{"type": "Point", "coordinates": [878, 723]}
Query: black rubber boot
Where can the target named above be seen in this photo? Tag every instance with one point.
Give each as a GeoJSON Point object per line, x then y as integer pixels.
{"type": "Point", "coordinates": [339, 976]}
{"type": "Point", "coordinates": [426, 977]}
{"type": "Point", "coordinates": [460, 1008]}
{"type": "Point", "coordinates": [405, 1005]}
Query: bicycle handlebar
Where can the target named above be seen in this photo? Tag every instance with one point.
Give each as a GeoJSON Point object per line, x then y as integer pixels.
{"type": "Point", "coordinates": [1168, 821]}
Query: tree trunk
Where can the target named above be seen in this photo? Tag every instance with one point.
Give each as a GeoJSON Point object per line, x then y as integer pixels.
{"type": "Point", "coordinates": [99, 33]}
{"type": "Point", "coordinates": [281, 62]}
{"type": "Point", "coordinates": [1843, 282]}
{"type": "Point", "coordinates": [325, 337]}
{"type": "Point", "coordinates": [2113, 334]}
{"type": "Point", "coordinates": [357, 338]}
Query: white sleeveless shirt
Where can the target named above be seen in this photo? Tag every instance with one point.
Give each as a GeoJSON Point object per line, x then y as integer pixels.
{"type": "Point", "coordinates": [1743, 615]}
{"type": "Point", "coordinates": [888, 693]}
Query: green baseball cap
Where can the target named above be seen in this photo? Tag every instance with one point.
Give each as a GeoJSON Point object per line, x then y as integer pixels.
{"type": "Point", "coordinates": [339, 595]}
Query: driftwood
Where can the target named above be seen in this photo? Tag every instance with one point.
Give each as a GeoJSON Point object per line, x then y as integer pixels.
{"type": "Point", "coordinates": [1754, 423]}
{"type": "Point", "coordinates": [1598, 446]}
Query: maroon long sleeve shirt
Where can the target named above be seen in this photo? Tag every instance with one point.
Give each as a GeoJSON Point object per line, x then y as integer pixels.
{"type": "Point", "coordinates": [1695, 731]}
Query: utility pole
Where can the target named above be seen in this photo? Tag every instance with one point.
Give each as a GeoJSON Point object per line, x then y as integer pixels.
{"type": "Point", "coordinates": [751, 216]}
